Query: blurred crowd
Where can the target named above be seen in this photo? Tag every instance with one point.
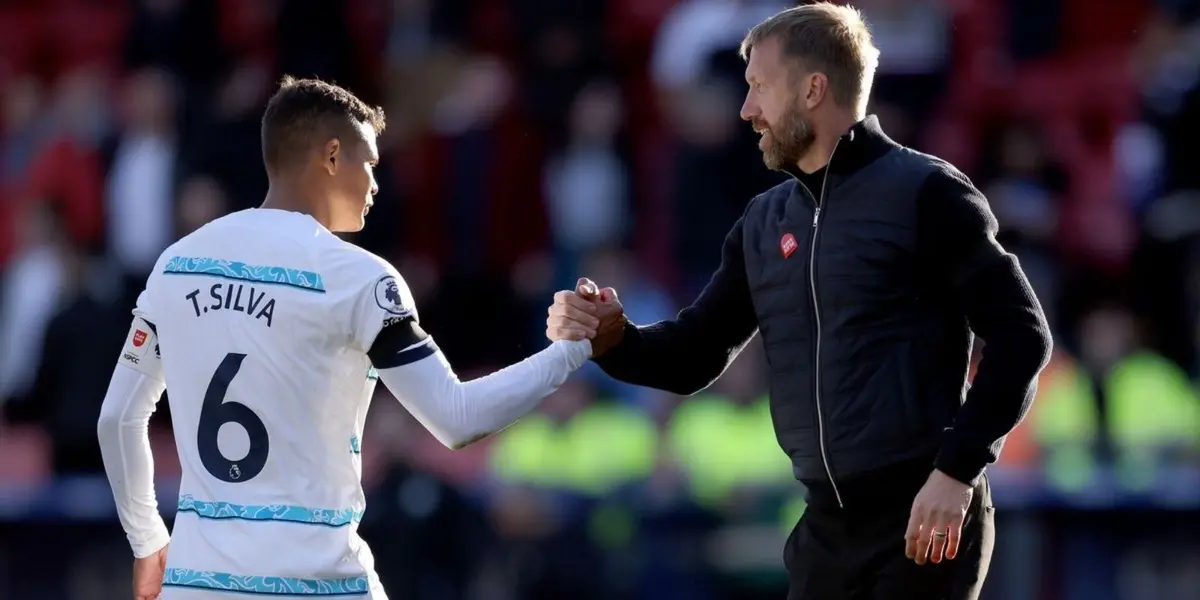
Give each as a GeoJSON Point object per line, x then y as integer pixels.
{"type": "Point", "coordinates": [534, 141]}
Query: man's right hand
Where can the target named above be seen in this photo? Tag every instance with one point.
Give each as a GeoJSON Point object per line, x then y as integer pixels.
{"type": "Point", "coordinates": [587, 312]}
{"type": "Point", "coordinates": [148, 575]}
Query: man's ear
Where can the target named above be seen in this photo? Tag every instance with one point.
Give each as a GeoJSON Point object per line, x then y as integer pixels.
{"type": "Point", "coordinates": [332, 155]}
{"type": "Point", "coordinates": [816, 89]}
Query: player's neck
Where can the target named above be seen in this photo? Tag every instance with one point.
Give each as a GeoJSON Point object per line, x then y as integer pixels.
{"type": "Point", "coordinates": [296, 199]}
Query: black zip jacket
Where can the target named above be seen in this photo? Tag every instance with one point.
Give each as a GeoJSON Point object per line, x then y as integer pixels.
{"type": "Point", "coordinates": [866, 281]}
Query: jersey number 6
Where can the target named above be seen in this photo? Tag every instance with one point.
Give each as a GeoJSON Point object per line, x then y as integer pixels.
{"type": "Point", "coordinates": [216, 412]}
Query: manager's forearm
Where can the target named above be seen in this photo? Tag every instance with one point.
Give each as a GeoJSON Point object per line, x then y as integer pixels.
{"type": "Point", "coordinates": [661, 356]}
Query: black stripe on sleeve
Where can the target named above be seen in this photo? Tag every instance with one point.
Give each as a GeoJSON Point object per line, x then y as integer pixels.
{"type": "Point", "coordinates": [150, 325]}
{"type": "Point", "coordinates": [401, 343]}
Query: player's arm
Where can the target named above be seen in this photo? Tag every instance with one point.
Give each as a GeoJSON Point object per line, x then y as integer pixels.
{"type": "Point", "coordinates": [456, 412]}
{"type": "Point", "coordinates": [123, 430]}
{"type": "Point", "coordinates": [387, 328]}
{"type": "Point", "coordinates": [686, 354]}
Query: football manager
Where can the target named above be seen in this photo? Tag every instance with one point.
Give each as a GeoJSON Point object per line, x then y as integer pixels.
{"type": "Point", "coordinates": [867, 273]}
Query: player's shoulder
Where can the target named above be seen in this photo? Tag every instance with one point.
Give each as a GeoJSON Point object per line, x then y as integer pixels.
{"type": "Point", "coordinates": [360, 271]}
{"type": "Point", "coordinates": [349, 262]}
{"type": "Point", "coordinates": [210, 235]}
{"type": "Point", "coordinates": [201, 242]}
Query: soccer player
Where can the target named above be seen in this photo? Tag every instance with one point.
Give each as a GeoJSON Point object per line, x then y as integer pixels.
{"type": "Point", "coordinates": [271, 333]}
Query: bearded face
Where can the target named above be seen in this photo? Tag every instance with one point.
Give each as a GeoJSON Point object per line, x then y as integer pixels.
{"type": "Point", "coordinates": [786, 140]}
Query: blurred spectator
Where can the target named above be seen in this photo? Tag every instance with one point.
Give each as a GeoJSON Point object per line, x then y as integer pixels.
{"type": "Point", "coordinates": [471, 132]}
{"type": "Point", "coordinates": [561, 46]}
{"type": "Point", "coordinates": [536, 508]}
{"type": "Point", "coordinates": [33, 285]}
{"type": "Point", "coordinates": [425, 525]}
{"type": "Point", "coordinates": [142, 178]}
{"type": "Point", "coordinates": [298, 23]}
{"type": "Point", "coordinates": [913, 37]}
{"type": "Point", "coordinates": [693, 31]}
{"type": "Point", "coordinates": [175, 35]}
{"type": "Point", "coordinates": [1025, 193]}
{"type": "Point", "coordinates": [1036, 26]}
{"type": "Point", "coordinates": [229, 147]}
{"type": "Point", "coordinates": [86, 330]}
{"type": "Point", "coordinates": [201, 199]}
{"type": "Point", "coordinates": [1149, 408]}
{"type": "Point", "coordinates": [587, 184]}
{"type": "Point", "coordinates": [716, 172]}
{"type": "Point", "coordinates": [717, 168]}
{"type": "Point", "coordinates": [1162, 181]}
{"type": "Point", "coordinates": [67, 167]}
{"type": "Point", "coordinates": [23, 125]}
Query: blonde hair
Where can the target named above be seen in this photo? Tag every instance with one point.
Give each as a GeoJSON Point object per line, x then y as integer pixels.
{"type": "Point", "coordinates": [826, 37]}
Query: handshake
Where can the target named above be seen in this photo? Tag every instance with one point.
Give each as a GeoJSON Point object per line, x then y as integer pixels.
{"type": "Point", "coordinates": [587, 312]}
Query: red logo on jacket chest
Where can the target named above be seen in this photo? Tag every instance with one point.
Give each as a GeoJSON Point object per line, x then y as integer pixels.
{"type": "Point", "coordinates": [788, 245]}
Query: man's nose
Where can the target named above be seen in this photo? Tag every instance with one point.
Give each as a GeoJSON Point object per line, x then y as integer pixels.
{"type": "Point", "coordinates": [749, 109]}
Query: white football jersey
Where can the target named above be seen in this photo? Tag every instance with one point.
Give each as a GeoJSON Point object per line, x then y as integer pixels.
{"type": "Point", "coordinates": [264, 319]}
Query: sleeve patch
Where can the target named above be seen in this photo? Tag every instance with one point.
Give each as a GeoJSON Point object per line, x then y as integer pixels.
{"type": "Point", "coordinates": [387, 297]}
{"type": "Point", "coordinates": [141, 348]}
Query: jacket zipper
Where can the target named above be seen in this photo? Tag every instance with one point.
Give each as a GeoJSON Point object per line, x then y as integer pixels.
{"type": "Point", "coordinates": [812, 284]}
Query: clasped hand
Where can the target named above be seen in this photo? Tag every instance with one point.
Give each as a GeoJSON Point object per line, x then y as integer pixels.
{"type": "Point", "coordinates": [587, 312]}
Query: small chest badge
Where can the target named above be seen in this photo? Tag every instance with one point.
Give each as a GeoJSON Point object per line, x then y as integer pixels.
{"type": "Point", "coordinates": [788, 245]}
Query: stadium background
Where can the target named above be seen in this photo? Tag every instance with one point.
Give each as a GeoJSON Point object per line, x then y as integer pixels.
{"type": "Point", "coordinates": [534, 140]}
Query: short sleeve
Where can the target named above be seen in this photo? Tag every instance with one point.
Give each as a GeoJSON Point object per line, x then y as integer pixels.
{"type": "Point", "coordinates": [383, 299]}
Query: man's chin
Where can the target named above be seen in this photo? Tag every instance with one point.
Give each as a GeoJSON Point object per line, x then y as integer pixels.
{"type": "Point", "coordinates": [350, 226]}
{"type": "Point", "coordinates": [772, 162]}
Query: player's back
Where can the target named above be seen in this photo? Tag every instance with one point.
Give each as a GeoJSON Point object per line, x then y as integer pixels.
{"type": "Point", "coordinates": [268, 397]}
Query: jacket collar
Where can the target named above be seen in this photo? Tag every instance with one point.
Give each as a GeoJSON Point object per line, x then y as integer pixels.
{"type": "Point", "coordinates": [860, 146]}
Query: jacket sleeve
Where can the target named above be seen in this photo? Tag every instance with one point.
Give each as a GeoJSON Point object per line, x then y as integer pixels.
{"type": "Point", "coordinates": [958, 231]}
{"type": "Point", "coordinates": [686, 354]}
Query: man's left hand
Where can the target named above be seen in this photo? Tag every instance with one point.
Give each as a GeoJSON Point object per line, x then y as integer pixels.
{"type": "Point", "coordinates": [935, 526]}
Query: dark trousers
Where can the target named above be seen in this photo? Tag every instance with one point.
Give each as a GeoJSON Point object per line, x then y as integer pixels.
{"type": "Point", "coordinates": [857, 552]}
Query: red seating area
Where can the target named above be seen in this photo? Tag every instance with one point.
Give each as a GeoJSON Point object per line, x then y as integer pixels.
{"type": "Point", "coordinates": [1079, 98]}
{"type": "Point", "coordinates": [50, 36]}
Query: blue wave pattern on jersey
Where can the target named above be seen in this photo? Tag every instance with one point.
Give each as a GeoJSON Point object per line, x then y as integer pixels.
{"type": "Point", "coordinates": [232, 269]}
{"type": "Point", "coordinates": [276, 586]}
{"type": "Point", "coordinates": [355, 445]}
{"type": "Point", "coordinates": [275, 512]}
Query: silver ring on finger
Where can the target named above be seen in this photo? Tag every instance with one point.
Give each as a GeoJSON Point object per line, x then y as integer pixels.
{"type": "Point", "coordinates": [939, 534]}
